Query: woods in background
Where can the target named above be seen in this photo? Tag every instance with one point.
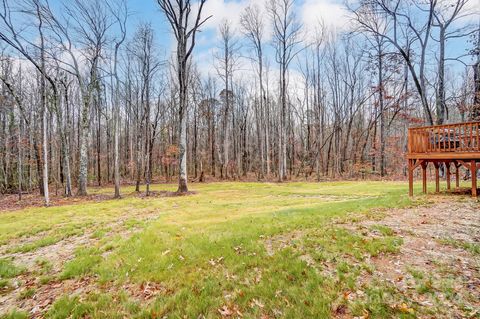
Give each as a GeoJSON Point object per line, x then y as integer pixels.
{"type": "Point", "coordinates": [85, 101]}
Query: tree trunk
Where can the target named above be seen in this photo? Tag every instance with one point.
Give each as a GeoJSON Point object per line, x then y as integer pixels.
{"type": "Point", "coordinates": [83, 164]}
{"type": "Point", "coordinates": [440, 98]}
{"type": "Point", "coordinates": [382, 110]}
{"type": "Point", "coordinates": [475, 114]}
{"type": "Point", "coordinates": [182, 120]}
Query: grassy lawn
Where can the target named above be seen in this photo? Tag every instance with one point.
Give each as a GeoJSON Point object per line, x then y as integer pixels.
{"type": "Point", "coordinates": [231, 250]}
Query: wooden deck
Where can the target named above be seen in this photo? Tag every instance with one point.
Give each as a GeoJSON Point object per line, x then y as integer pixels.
{"type": "Point", "coordinates": [457, 144]}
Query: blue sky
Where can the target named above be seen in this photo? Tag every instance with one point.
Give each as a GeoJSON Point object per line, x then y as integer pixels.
{"type": "Point", "coordinates": [308, 13]}
{"type": "Point", "coordinates": [332, 12]}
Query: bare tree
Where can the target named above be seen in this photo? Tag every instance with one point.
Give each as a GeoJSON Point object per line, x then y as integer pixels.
{"type": "Point", "coordinates": [445, 15]}
{"type": "Point", "coordinates": [11, 36]}
{"type": "Point", "coordinates": [121, 15]}
{"type": "Point", "coordinates": [91, 23]}
{"type": "Point", "coordinates": [43, 102]}
{"type": "Point", "coordinates": [253, 29]}
{"type": "Point", "coordinates": [287, 37]}
{"type": "Point", "coordinates": [226, 62]}
{"type": "Point", "coordinates": [68, 80]}
{"type": "Point", "coordinates": [4, 77]}
{"type": "Point", "coordinates": [475, 114]}
{"type": "Point", "coordinates": [185, 28]}
{"type": "Point", "coordinates": [144, 52]}
{"type": "Point", "coordinates": [401, 31]}
{"type": "Point", "coordinates": [378, 44]}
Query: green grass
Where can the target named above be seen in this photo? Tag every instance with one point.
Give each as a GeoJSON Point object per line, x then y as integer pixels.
{"type": "Point", "coordinates": [4, 283]}
{"type": "Point", "coordinates": [384, 230]}
{"type": "Point", "coordinates": [208, 251]}
{"type": "Point", "coordinates": [27, 293]}
{"type": "Point", "coordinates": [473, 248]}
{"type": "Point", "coordinates": [44, 266]}
{"type": "Point", "coordinates": [15, 314]}
{"type": "Point", "coordinates": [8, 269]}
{"type": "Point", "coordinates": [43, 280]}
{"type": "Point", "coordinates": [85, 259]}
{"type": "Point", "coordinates": [45, 241]}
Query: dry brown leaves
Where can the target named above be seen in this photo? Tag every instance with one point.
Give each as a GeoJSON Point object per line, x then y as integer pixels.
{"type": "Point", "coordinates": [10, 202]}
{"type": "Point", "coordinates": [423, 231]}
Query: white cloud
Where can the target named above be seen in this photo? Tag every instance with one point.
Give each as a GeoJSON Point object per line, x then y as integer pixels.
{"type": "Point", "coordinates": [229, 10]}
{"type": "Point", "coordinates": [205, 62]}
{"type": "Point", "coordinates": [470, 12]}
{"type": "Point", "coordinates": [223, 10]}
{"type": "Point", "coordinates": [332, 13]}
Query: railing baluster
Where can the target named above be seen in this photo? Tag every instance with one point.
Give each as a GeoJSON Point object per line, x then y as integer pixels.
{"type": "Point", "coordinates": [452, 139]}
{"type": "Point", "coordinates": [449, 140]}
{"type": "Point", "coordinates": [471, 137]}
{"type": "Point", "coordinates": [438, 139]}
{"type": "Point", "coordinates": [429, 144]}
{"type": "Point", "coordinates": [415, 142]}
{"type": "Point", "coordinates": [443, 140]}
{"type": "Point", "coordinates": [427, 140]}
{"type": "Point", "coordinates": [452, 143]}
{"type": "Point", "coordinates": [434, 140]}
{"type": "Point", "coordinates": [459, 137]}
{"type": "Point", "coordinates": [450, 133]}
{"type": "Point", "coordinates": [478, 137]}
{"type": "Point", "coordinates": [467, 138]}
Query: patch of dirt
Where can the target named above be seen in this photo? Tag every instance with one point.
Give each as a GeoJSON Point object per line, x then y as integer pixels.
{"type": "Point", "coordinates": [428, 234]}
{"type": "Point", "coordinates": [434, 270]}
{"type": "Point", "coordinates": [144, 292]}
{"type": "Point", "coordinates": [45, 295]}
{"type": "Point", "coordinates": [281, 241]}
{"type": "Point", "coordinates": [57, 255]}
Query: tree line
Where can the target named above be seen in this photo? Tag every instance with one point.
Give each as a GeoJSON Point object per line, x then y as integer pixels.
{"type": "Point", "coordinates": [87, 101]}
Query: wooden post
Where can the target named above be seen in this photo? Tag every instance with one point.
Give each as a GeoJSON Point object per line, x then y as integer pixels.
{"type": "Point", "coordinates": [447, 165]}
{"type": "Point", "coordinates": [410, 177]}
{"type": "Point", "coordinates": [437, 178]}
{"type": "Point", "coordinates": [457, 175]}
{"type": "Point", "coordinates": [424, 177]}
{"type": "Point", "coordinates": [473, 172]}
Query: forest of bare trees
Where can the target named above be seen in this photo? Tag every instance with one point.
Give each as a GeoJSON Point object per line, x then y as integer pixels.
{"type": "Point", "coordinates": [87, 99]}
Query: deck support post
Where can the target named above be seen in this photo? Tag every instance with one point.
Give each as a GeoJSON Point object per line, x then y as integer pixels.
{"type": "Point", "coordinates": [410, 177]}
{"type": "Point", "coordinates": [437, 177]}
{"type": "Point", "coordinates": [457, 175]}
{"type": "Point", "coordinates": [447, 172]}
{"type": "Point", "coordinates": [473, 172]}
{"type": "Point", "coordinates": [424, 177]}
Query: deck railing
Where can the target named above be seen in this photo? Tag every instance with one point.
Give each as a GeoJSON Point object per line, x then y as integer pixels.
{"type": "Point", "coordinates": [459, 138]}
